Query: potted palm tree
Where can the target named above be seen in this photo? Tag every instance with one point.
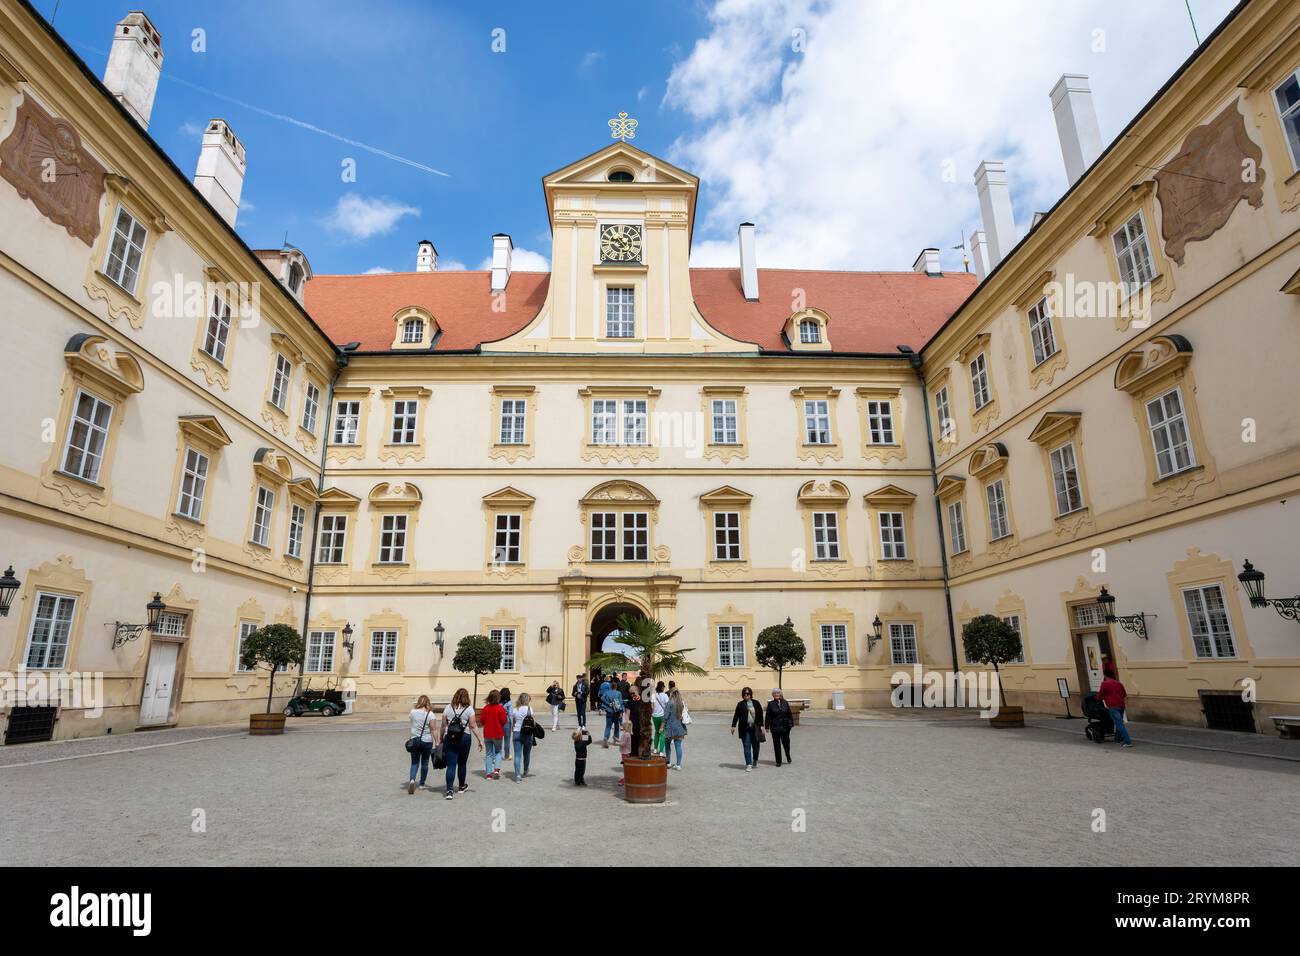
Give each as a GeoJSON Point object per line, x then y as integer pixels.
{"type": "Point", "coordinates": [651, 654]}
{"type": "Point", "coordinates": [277, 647]}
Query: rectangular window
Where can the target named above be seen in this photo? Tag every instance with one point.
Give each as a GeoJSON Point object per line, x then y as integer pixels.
{"type": "Point", "coordinates": [405, 414]}
{"type": "Point", "coordinates": [383, 651]}
{"type": "Point", "coordinates": [902, 644]}
{"type": "Point", "coordinates": [817, 422]}
{"type": "Point", "coordinates": [47, 644]}
{"type": "Point", "coordinates": [194, 479]}
{"type": "Point", "coordinates": [506, 540]}
{"type": "Point", "coordinates": [217, 337]}
{"type": "Point", "coordinates": [1169, 436]}
{"type": "Point", "coordinates": [999, 521]}
{"type": "Point", "coordinates": [505, 637]}
{"type": "Point", "coordinates": [1013, 621]}
{"type": "Point", "coordinates": [297, 521]}
{"type": "Point", "coordinates": [125, 251]}
{"type": "Point", "coordinates": [320, 652]}
{"type": "Point", "coordinates": [83, 455]}
{"type": "Point", "coordinates": [604, 421]}
{"type": "Point", "coordinates": [726, 536]}
{"type": "Point", "coordinates": [636, 536]}
{"type": "Point", "coordinates": [246, 629]}
{"type": "Point", "coordinates": [979, 381]}
{"type": "Point", "coordinates": [835, 645]}
{"type": "Point", "coordinates": [620, 313]}
{"type": "Point", "coordinates": [943, 412]}
{"type": "Point", "coordinates": [893, 541]}
{"type": "Point", "coordinates": [957, 526]}
{"type": "Point", "coordinates": [280, 381]}
{"type": "Point", "coordinates": [1208, 617]}
{"type": "Point", "coordinates": [604, 536]}
{"type": "Point", "coordinates": [1065, 480]}
{"type": "Point", "coordinates": [731, 645]}
{"type": "Point", "coordinates": [1133, 253]}
{"type": "Point", "coordinates": [880, 422]}
{"type": "Point", "coordinates": [1287, 97]}
{"type": "Point", "coordinates": [810, 332]}
{"type": "Point", "coordinates": [725, 431]}
{"type": "Point", "coordinates": [333, 536]}
{"type": "Point", "coordinates": [826, 536]}
{"type": "Point", "coordinates": [412, 331]}
{"type": "Point", "coordinates": [1041, 335]}
{"type": "Point", "coordinates": [262, 513]}
{"type": "Point", "coordinates": [347, 422]}
{"type": "Point", "coordinates": [171, 624]}
{"type": "Point", "coordinates": [513, 415]}
{"type": "Point", "coordinates": [392, 539]}
{"type": "Point", "coordinates": [635, 431]}
{"type": "Point", "coordinates": [310, 408]}
{"type": "Point", "coordinates": [1089, 615]}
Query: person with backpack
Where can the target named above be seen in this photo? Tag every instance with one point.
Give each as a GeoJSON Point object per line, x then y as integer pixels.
{"type": "Point", "coordinates": [524, 727]}
{"type": "Point", "coordinates": [779, 721]}
{"type": "Point", "coordinates": [492, 719]}
{"type": "Point", "coordinates": [510, 716]}
{"type": "Point", "coordinates": [457, 725]}
{"type": "Point", "coordinates": [611, 704]}
{"type": "Point", "coordinates": [555, 697]}
{"type": "Point", "coordinates": [420, 743]}
{"type": "Point", "coordinates": [580, 690]}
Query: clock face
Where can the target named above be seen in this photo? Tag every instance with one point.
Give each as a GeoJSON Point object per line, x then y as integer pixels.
{"type": "Point", "coordinates": [620, 243]}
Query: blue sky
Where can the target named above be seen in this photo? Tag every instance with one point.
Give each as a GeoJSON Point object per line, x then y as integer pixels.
{"type": "Point", "coordinates": [834, 146]}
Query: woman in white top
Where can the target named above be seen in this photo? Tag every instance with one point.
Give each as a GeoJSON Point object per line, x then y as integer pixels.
{"type": "Point", "coordinates": [422, 724]}
{"type": "Point", "coordinates": [457, 725]}
{"type": "Point", "coordinates": [658, 710]}
{"type": "Point", "coordinates": [523, 714]}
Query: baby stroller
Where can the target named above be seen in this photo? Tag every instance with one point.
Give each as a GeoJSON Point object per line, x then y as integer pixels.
{"type": "Point", "coordinates": [1100, 726]}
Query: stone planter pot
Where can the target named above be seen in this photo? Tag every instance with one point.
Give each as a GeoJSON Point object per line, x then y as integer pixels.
{"type": "Point", "coordinates": [263, 724]}
{"type": "Point", "coordinates": [645, 781]}
{"type": "Point", "coordinates": [1008, 717]}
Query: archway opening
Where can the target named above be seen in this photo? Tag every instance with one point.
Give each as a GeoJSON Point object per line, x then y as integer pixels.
{"type": "Point", "coordinates": [604, 628]}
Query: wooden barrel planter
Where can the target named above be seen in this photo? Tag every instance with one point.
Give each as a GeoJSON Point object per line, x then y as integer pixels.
{"type": "Point", "coordinates": [260, 724]}
{"type": "Point", "coordinates": [1008, 717]}
{"type": "Point", "coordinates": [645, 781]}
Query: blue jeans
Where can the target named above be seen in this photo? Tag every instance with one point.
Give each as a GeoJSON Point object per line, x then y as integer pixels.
{"type": "Point", "coordinates": [1121, 732]}
{"type": "Point", "coordinates": [420, 758]}
{"type": "Point", "coordinates": [523, 748]}
{"type": "Point", "coordinates": [675, 743]}
{"type": "Point", "coordinates": [612, 720]}
{"type": "Point", "coordinates": [492, 753]}
{"type": "Point", "coordinates": [457, 759]}
{"type": "Point", "coordinates": [510, 716]}
{"type": "Point", "coordinates": [750, 740]}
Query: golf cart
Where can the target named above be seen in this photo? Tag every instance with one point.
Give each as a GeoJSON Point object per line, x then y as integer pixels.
{"type": "Point", "coordinates": [327, 703]}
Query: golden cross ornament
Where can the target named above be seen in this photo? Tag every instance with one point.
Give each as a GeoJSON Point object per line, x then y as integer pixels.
{"type": "Point", "coordinates": [622, 128]}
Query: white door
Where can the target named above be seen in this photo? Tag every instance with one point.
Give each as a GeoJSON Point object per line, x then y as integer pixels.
{"type": "Point", "coordinates": [155, 706]}
{"type": "Point", "coordinates": [1092, 659]}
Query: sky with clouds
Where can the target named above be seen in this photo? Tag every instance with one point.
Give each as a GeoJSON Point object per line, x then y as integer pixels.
{"type": "Point", "coordinates": [848, 130]}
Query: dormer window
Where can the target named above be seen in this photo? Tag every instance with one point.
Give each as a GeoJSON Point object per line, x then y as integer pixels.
{"type": "Point", "coordinates": [807, 330]}
{"type": "Point", "coordinates": [412, 331]}
{"type": "Point", "coordinates": [296, 276]}
{"type": "Point", "coordinates": [810, 332]}
{"type": "Point", "coordinates": [621, 176]}
{"type": "Point", "coordinates": [413, 328]}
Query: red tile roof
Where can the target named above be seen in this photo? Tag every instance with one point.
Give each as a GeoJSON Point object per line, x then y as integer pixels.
{"type": "Point", "coordinates": [870, 311]}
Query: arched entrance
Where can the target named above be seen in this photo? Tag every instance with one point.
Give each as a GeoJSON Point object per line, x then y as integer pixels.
{"type": "Point", "coordinates": [604, 626]}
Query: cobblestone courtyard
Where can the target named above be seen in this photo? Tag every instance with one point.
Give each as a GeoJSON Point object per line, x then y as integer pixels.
{"type": "Point", "coordinates": [869, 790]}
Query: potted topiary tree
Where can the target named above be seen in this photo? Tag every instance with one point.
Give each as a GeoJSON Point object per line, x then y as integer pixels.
{"type": "Point", "coordinates": [477, 654]}
{"type": "Point", "coordinates": [990, 640]}
{"type": "Point", "coordinates": [276, 647]}
{"type": "Point", "coordinates": [646, 778]}
{"type": "Point", "coordinates": [778, 647]}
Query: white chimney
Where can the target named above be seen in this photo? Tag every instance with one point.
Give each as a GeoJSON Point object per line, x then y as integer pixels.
{"type": "Point", "coordinates": [426, 257]}
{"type": "Point", "coordinates": [501, 249]}
{"type": "Point", "coordinates": [748, 262]}
{"type": "Point", "coordinates": [979, 253]}
{"type": "Point", "coordinates": [134, 64]}
{"type": "Point", "coordinates": [927, 262]}
{"type": "Point", "coordinates": [219, 175]}
{"type": "Point", "coordinates": [995, 208]}
{"type": "Point", "coordinates": [1076, 124]}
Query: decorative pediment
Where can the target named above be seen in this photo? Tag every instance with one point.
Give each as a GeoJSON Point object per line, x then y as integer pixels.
{"type": "Point", "coordinates": [976, 344]}
{"type": "Point", "coordinates": [272, 466]}
{"type": "Point", "coordinates": [822, 492]}
{"type": "Point", "coordinates": [508, 497]}
{"type": "Point", "coordinates": [1035, 290]}
{"type": "Point", "coordinates": [92, 358]}
{"type": "Point", "coordinates": [395, 494]}
{"type": "Point", "coordinates": [204, 430]}
{"type": "Point", "coordinates": [890, 496]}
{"type": "Point", "coordinates": [950, 486]}
{"type": "Point", "coordinates": [1128, 201]}
{"type": "Point", "coordinates": [1054, 427]}
{"type": "Point", "coordinates": [726, 497]}
{"type": "Point", "coordinates": [139, 200]}
{"type": "Point", "coordinates": [288, 347]}
{"type": "Point", "coordinates": [1161, 356]}
{"type": "Point", "coordinates": [594, 169]}
{"type": "Point", "coordinates": [987, 459]}
{"type": "Point", "coordinates": [304, 489]}
{"type": "Point", "coordinates": [336, 499]}
{"type": "Point", "coordinates": [620, 491]}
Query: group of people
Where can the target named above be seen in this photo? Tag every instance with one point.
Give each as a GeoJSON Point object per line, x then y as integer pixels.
{"type": "Point", "coordinates": [755, 722]}
{"type": "Point", "coordinates": [499, 724]}
{"type": "Point", "coordinates": [621, 701]}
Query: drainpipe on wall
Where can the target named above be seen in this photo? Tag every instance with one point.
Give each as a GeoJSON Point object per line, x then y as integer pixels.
{"type": "Point", "coordinates": [340, 363]}
{"type": "Point", "coordinates": [915, 360]}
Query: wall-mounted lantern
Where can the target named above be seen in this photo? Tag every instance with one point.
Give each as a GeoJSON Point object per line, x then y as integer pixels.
{"type": "Point", "coordinates": [348, 644]}
{"type": "Point", "coordinates": [1133, 623]}
{"type": "Point", "coordinates": [545, 634]}
{"type": "Point", "coordinates": [438, 632]}
{"type": "Point", "coordinates": [1252, 579]}
{"type": "Point", "coordinates": [8, 588]}
{"type": "Point", "coordinates": [877, 633]}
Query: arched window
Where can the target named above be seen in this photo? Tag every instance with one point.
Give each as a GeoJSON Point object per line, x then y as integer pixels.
{"type": "Point", "coordinates": [810, 332]}
{"type": "Point", "coordinates": [413, 331]}
{"type": "Point", "coordinates": [620, 176]}
{"type": "Point", "coordinates": [295, 278]}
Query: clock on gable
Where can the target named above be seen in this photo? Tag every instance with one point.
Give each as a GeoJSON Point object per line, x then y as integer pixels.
{"type": "Point", "coordinates": [620, 242]}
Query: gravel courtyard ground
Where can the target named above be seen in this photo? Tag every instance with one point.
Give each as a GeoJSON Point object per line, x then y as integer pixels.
{"type": "Point", "coordinates": [883, 789]}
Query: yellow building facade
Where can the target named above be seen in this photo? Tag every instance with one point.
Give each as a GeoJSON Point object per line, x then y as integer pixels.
{"type": "Point", "coordinates": [529, 455]}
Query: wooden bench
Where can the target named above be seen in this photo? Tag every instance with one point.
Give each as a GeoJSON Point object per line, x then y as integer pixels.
{"type": "Point", "coordinates": [798, 705]}
{"type": "Point", "coordinates": [1288, 727]}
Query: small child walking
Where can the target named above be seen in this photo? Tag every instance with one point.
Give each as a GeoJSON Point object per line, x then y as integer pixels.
{"type": "Point", "coordinates": [581, 741]}
{"type": "Point", "coordinates": [625, 745]}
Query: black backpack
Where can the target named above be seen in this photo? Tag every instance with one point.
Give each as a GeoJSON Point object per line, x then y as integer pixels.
{"type": "Point", "coordinates": [529, 726]}
{"type": "Point", "coordinates": [456, 728]}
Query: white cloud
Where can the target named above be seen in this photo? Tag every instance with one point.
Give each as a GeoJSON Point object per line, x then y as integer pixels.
{"type": "Point", "coordinates": [839, 152]}
{"type": "Point", "coordinates": [451, 265]}
{"type": "Point", "coordinates": [591, 59]}
{"type": "Point", "coordinates": [377, 271]}
{"type": "Point", "coordinates": [189, 128]}
{"type": "Point", "coordinates": [360, 218]}
{"type": "Point", "coordinates": [522, 260]}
